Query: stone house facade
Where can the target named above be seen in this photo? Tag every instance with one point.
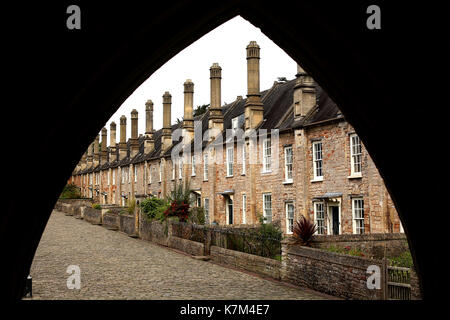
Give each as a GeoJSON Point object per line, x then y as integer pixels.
{"type": "Point", "coordinates": [277, 154]}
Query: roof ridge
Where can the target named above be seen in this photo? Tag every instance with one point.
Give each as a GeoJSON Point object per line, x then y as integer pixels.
{"type": "Point", "coordinates": [270, 90]}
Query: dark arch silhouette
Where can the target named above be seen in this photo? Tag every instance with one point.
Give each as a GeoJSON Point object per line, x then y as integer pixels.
{"type": "Point", "coordinates": [67, 83]}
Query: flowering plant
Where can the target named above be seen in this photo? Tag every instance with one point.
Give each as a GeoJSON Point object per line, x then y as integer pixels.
{"type": "Point", "coordinates": [178, 209]}
{"type": "Point", "coordinates": [179, 203]}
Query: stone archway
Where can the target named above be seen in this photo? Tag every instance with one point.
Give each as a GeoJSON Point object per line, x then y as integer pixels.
{"type": "Point", "coordinates": [78, 80]}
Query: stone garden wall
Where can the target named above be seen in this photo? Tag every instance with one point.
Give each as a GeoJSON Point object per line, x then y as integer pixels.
{"type": "Point", "coordinates": [336, 274]}
{"type": "Point", "coordinates": [332, 273]}
{"type": "Point", "coordinates": [111, 221]}
{"type": "Point", "coordinates": [126, 224]}
{"type": "Point", "coordinates": [263, 266]}
{"type": "Point", "coordinates": [92, 215]}
{"type": "Point", "coordinates": [377, 245]}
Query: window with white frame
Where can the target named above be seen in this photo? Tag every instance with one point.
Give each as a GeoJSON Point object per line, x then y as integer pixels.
{"type": "Point", "coordinates": [90, 178]}
{"type": "Point", "coordinates": [205, 167]}
{"type": "Point", "coordinates": [319, 217]}
{"type": "Point", "coordinates": [244, 208]}
{"type": "Point", "coordinates": [288, 159]}
{"type": "Point", "coordinates": [358, 215]}
{"type": "Point", "coordinates": [180, 168]}
{"type": "Point", "coordinates": [244, 155]}
{"type": "Point", "coordinates": [317, 160]}
{"type": "Point", "coordinates": [150, 169]}
{"type": "Point", "coordinates": [355, 155]}
{"type": "Point", "coordinates": [122, 173]}
{"type": "Point", "coordinates": [206, 207]}
{"type": "Point", "coordinates": [230, 158]}
{"type": "Point", "coordinates": [267, 207]}
{"type": "Point", "coordinates": [267, 155]}
{"type": "Point", "coordinates": [114, 176]}
{"type": "Point", "coordinates": [173, 170]}
{"type": "Point", "coordinates": [129, 174]}
{"type": "Point", "coordinates": [135, 174]}
{"type": "Point", "coordinates": [193, 165]}
{"type": "Point", "coordinates": [289, 217]}
{"type": "Point", "coordinates": [160, 171]}
{"type": "Point", "coordinates": [108, 175]}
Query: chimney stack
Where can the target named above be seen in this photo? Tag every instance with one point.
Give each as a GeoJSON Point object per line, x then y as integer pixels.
{"type": "Point", "coordinates": [167, 128]}
{"type": "Point", "coordinates": [97, 150]}
{"type": "Point", "coordinates": [149, 143]}
{"type": "Point", "coordinates": [90, 155]}
{"type": "Point", "coordinates": [112, 141]}
{"type": "Point", "coordinates": [123, 138]}
{"type": "Point", "coordinates": [215, 109]}
{"type": "Point", "coordinates": [104, 152]}
{"type": "Point", "coordinates": [134, 140]}
{"type": "Point", "coordinates": [254, 110]}
{"type": "Point", "coordinates": [83, 161]}
{"type": "Point", "coordinates": [304, 94]}
{"type": "Point", "coordinates": [188, 119]}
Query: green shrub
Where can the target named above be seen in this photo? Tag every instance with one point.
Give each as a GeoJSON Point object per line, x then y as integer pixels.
{"type": "Point", "coordinates": [131, 206]}
{"type": "Point", "coordinates": [153, 207]}
{"type": "Point", "coordinates": [346, 250]}
{"type": "Point", "coordinates": [402, 260]}
{"type": "Point", "coordinates": [70, 191]}
{"type": "Point", "coordinates": [265, 240]}
{"type": "Point", "coordinates": [96, 206]}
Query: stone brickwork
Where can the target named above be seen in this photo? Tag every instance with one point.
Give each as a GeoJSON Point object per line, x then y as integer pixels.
{"type": "Point", "coordinates": [379, 211]}
{"type": "Point", "coordinates": [92, 215]}
{"type": "Point", "coordinates": [336, 274]}
{"type": "Point", "coordinates": [111, 221]}
{"type": "Point", "coordinates": [297, 111]}
{"type": "Point", "coordinates": [263, 266]}
{"type": "Point", "coordinates": [126, 224]}
{"type": "Point", "coordinates": [188, 246]}
{"type": "Point", "coordinates": [377, 245]}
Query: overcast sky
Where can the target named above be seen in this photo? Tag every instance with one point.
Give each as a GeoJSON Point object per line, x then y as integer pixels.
{"type": "Point", "coordinates": [225, 45]}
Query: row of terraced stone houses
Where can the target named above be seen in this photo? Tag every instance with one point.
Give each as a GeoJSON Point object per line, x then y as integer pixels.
{"type": "Point", "coordinates": [279, 153]}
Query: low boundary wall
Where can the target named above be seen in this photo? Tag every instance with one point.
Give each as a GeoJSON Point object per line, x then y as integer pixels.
{"type": "Point", "coordinates": [332, 273]}
{"type": "Point", "coordinates": [264, 266]}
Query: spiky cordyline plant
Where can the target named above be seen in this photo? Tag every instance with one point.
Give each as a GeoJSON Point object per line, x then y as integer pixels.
{"type": "Point", "coordinates": [304, 230]}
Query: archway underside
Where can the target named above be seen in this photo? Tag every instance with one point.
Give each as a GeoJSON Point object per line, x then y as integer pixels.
{"type": "Point", "coordinates": [118, 48]}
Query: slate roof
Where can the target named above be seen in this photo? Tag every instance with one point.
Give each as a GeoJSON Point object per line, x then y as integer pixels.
{"type": "Point", "coordinates": [278, 114]}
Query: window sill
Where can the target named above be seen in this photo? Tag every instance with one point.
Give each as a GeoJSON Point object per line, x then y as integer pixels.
{"type": "Point", "coordinates": [355, 176]}
{"type": "Point", "coordinates": [317, 180]}
{"type": "Point", "coordinates": [242, 174]}
{"type": "Point", "coordinates": [288, 182]}
{"type": "Point", "coordinates": [229, 176]}
{"type": "Point", "coordinates": [266, 172]}
{"type": "Point", "coordinates": [205, 180]}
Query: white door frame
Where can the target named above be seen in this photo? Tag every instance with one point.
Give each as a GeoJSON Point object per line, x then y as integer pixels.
{"type": "Point", "coordinates": [230, 197]}
{"type": "Point", "coordinates": [330, 216]}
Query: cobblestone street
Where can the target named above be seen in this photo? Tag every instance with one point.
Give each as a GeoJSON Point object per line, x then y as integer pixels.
{"type": "Point", "coordinates": [115, 266]}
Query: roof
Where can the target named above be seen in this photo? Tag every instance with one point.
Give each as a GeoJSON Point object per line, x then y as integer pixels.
{"type": "Point", "coordinates": [278, 114]}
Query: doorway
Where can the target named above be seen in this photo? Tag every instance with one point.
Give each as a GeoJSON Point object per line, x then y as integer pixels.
{"type": "Point", "coordinates": [229, 210]}
{"type": "Point", "coordinates": [334, 219]}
